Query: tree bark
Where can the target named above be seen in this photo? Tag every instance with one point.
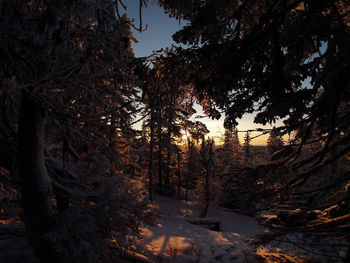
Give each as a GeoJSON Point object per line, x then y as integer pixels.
{"type": "Point", "coordinates": [189, 168]}
{"type": "Point", "coordinates": [206, 197]}
{"type": "Point", "coordinates": [209, 170]}
{"type": "Point", "coordinates": [169, 132]}
{"type": "Point", "coordinates": [167, 175]}
{"type": "Point", "coordinates": [150, 168]}
{"type": "Point", "coordinates": [160, 177]}
{"type": "Point", "coordinates": [112, 145]}
{"type": "Point", "coordinates": [35, 185]}
{"type": "Point", "coordinates": [178, 175]}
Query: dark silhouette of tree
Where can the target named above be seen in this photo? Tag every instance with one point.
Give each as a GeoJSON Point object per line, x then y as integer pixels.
{"type": "Point", "coordinates": [179, 164]}
{"type": "Point", "coordinates": [169, 104]}
{"type": "Point", "coordinates": [67, 66]}
{"type": "Point", "coordinates": [208, 164]}
{"type": "Point", "coordinates": [231, 154]}
{"type": "Point", "coordinates": [228, 139]}
{"type": "Point", "coordinates": [274, 142]}
{"type": "Point", "coordinates": [262, 58]}
{"type": "Point", "coordinates": [247, 147]}
{"type": "Point", "coordinates": [151, 144]}
{"type": "Point", "coordinates": [284, 60]}
{"type": "Point", "coordinates": [236, 145]}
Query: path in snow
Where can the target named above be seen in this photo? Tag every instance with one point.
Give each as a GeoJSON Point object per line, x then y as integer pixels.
{"type": "Point", "coordinates": [175, 240]}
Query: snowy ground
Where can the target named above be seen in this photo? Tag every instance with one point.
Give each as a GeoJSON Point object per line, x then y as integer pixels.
{"type": "Point", "coordinates": [175, 240]}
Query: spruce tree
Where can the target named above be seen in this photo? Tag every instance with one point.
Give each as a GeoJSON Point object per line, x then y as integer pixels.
{"type": "Point", "coordinates": [285, 60]}
{"type": "Point", "coordinates": [247, 148]}
{"type": "Point", "coordinates": [274, 142]}
{"type": "Point", "coordinates": [68, 74]}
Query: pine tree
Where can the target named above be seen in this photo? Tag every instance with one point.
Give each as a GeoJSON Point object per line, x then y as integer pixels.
{"type": "Point", "coordinates": [226, 154]}
{"type": "Point", "coordinates": [247, 148]}
{"type": "Point", "coordinates": [208, 164]}
{"type": "Point", "coordinates": [170, 103]}
{"type": "Point", "coordinates": [228, 140]}
{"type": "Point", "coordinates": [75, 68]}
{"type": "Point", "coordinates": [257, 56]}
{"type": "Point", "coordinates": [274, 142]}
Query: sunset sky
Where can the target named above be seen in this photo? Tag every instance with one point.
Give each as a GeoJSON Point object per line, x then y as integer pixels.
{"type": "Point", "coordinates": [159, 35]}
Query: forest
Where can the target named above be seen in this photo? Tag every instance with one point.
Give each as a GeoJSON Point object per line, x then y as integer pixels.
{"type": "Point", "coordinates": [104, 158]}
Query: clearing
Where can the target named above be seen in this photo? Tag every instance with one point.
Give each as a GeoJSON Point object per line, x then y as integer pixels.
{"type": "Point", "coordinates": [177, 240]}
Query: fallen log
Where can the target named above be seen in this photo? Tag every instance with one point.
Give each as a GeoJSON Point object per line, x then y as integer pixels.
{"type": "Point", "coordinates": [136, 257]}
{"type": "Point", "coordinates": [209, 223]}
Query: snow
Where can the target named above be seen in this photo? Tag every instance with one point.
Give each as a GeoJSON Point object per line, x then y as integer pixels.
{"type": "Point", "coordinates": [175, 240]}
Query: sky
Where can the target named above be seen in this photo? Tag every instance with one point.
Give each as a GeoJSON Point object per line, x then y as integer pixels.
{"type": "Point", "coordinates": [160, 28]}
{"type": "Point", "coordinates": [159, 31]}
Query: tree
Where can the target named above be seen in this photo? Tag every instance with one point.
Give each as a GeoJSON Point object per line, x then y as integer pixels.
{"type": "Point", "coordinates": [236, 145]}
{"type": "Point", "coordinates": [283, 59]}
{"type": "Point", "coordinates": [228, 139]}
{"type": "Point", "coordinates": [68, 66]}
{"type": "Point", "coordinates": [274, 142]}
{"type": "Point", "coordinates": [150, 167]}
{"type": "Point", "coordinates": [208, 164]}
{"type": "Point", "coordinates": [263, 58]}
{"type": "Point", "coordinates": [230, 154]}
{"type": "Point", "coordinates": [168, 105]}
{"type": "Point", "coordinates": [194, 132]}
{"type": "Point", "coordinates": [247, 147]}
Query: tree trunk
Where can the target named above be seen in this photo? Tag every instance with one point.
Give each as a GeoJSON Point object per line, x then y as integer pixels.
{"type": "Point", "coordinates": [160, 177]}
{"type": "Point", "coordinates": [112, 146]}
{"type": "Point", "coordinates": [170, 123]}
{"type": "Point", "coordinates": [62, 200]}
{"type": "Point", "coordinates": [189, 168]}
{"type": "Point", "coordinates": [150, 166]}
{"type": "Point", "coordinates": [347, 256]}
{"type": "Point", "coordinates": [206, 198]}
{"type": "Point", "coordinates": [178, 175]}
{"type": "Point", "coordinates": [35, 185]}
{"type": "Point", "coordinates": [209, 167]}
{"type": "Point", "coordinates": [167, 175]}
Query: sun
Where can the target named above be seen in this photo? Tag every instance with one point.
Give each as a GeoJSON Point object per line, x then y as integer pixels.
{"type": "Point", "coordinates": [185, 135]}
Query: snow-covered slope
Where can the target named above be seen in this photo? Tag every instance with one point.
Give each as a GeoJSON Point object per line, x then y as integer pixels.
{"type": "Point", "coordinates": [176, 240]}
